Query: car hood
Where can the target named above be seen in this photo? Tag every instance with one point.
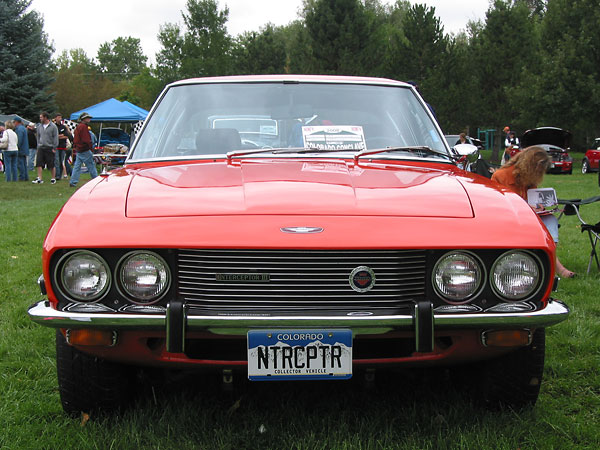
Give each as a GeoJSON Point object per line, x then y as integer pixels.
{"type": "Point", "coordinates": [296, 187]}
{"type": "Point", "coordinates": [547, 135]}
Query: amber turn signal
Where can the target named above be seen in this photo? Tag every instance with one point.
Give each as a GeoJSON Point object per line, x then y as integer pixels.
{"type": "Point", "coordinates": [506, 338]}
{"type": "Point", "coordinates": [87, 337]}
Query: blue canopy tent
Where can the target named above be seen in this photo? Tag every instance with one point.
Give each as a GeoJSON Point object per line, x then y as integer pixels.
{"type": "Point", "coordinates": [112, 110]}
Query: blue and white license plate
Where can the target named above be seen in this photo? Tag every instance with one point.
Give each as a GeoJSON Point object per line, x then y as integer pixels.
{"type": "Point", "coordinates": [299, 354]}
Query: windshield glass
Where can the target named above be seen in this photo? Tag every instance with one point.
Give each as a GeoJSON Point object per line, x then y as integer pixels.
{"type": "Point", "coordinates": [198, 120]}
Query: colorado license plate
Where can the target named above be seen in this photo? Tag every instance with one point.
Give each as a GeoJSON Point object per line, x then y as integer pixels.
{"type": "Point", "coordinates": [299, 354]}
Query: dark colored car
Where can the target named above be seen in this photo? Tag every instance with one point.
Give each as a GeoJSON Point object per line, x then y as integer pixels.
{"type": "Point", "coordinates": [591, 159]}
{"type": "Point", "coordinates": [556, 142]}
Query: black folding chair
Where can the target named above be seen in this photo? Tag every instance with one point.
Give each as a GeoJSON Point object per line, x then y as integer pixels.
{"type": "Point", "coordinates": [571, 208]}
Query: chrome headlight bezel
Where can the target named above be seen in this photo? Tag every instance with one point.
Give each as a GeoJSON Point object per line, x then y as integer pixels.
{"type": "Point", "coordinates": [481, 276]}
{"type": "Point", "coordinates": [131, 296]}
{"type": "Point", "coordinates": [535, 287]}
{"type": "Point", "coordinates": [59, 277]}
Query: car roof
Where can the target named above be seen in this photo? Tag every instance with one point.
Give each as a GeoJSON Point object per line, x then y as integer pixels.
{"type": "Point", "coordinates": [292, 78]}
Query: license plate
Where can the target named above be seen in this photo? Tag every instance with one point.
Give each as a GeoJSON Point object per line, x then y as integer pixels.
{"type": "Point", "coordinates": [299, 354]}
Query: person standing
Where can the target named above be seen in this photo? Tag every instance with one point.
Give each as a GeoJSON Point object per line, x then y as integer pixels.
{"type": "Point", "coordinates": [23, 145]}
{"type": "Point", "coordinates": [63, 135]}
{"type": "Point", "coordinates": [32, 141]}
{"type": "Point", "coordinates": [82, 144]}
{"type": "Point", "coordinates": [47, 140]}
{"type": "Point", "coordinates": [8, 143]}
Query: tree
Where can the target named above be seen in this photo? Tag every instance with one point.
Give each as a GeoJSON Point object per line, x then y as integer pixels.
{"type": "Point", "coordinates": [259, 53]}
{"type": "Point", "coordinates": [203, 50]}
{"type": "Point", "coordinates": [418, 48]}
{"type": "Point", "coordinates": [562, 89]}
{"type": "Point", "coordinates": [170, 56]}
{"type": "Point", "coordinates": [25, 61]}
{"type": "Point", "coordinates": [122, 58]}
{"type": "Point", "coordinates": [338, 32]}
{"type": "Point", "coordinates": [78, 83]}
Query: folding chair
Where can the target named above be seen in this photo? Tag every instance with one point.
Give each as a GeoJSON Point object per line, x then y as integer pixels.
{"type": "Point", "coordinates": [571, 208]}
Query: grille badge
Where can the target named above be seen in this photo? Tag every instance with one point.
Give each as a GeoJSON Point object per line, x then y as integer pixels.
{"type": "Point", "coordinates": [302, 230]}
{"type": "Point", "coordinates": [362, 279]}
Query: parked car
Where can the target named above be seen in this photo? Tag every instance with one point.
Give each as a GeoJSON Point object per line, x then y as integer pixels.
{"type": "Point", "coordinates": [556, 142]}
{"type": "Point", "coordinates": [591, 159]}
{"type": "Point", "coordinates": [356, 244]}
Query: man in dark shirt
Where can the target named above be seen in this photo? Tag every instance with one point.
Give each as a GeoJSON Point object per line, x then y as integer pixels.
{"type": "Point", "coordinates": [63, 135]}
{"type": "Point", "coordinates": [32, 140]}
{"type": "Point", "coordinates": [82, 144]}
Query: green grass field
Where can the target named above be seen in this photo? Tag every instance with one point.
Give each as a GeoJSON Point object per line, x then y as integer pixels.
{"type": "Point", "coordinates": [400, 411]}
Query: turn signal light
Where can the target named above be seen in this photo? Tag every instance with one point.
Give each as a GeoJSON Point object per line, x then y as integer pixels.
{"type": "Point", "coordinates": [506, 338]}
{"type": "Point", "coordinates": [87, 337]}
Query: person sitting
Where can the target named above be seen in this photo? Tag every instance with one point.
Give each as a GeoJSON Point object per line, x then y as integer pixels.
{"type": "Point", "coordinates": [462, 139]}
{"type": "Point", "coordinates": [525, 171]}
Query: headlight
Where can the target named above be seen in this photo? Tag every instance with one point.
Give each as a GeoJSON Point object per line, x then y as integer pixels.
{"type": "Point", "coordinates": [457, 277]}
{"type": "Point", "coordinates": [143, 276]}
{"type": "Point", "coordinates": [84, 276]}
{"type": "Point", "coordinates": [516, 275]}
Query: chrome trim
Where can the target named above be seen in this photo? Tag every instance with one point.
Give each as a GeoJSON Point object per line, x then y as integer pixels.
{"type": "Point", "coordinates": [43, 314]}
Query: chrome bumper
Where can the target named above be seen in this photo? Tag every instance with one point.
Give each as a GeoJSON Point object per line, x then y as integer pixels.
{"type": "Point", "coordinates": [43, 314]}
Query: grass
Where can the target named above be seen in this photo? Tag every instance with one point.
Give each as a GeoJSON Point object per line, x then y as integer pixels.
{"type": "Point", "coordinates": [408, 410]}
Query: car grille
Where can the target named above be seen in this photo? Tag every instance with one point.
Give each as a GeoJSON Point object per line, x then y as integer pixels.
{"type": "Point", "coordinates": [298, 279]}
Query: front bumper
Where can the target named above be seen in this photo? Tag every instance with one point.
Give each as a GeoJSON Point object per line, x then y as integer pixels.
{"type": "Point", "coordinates": [423, 321]}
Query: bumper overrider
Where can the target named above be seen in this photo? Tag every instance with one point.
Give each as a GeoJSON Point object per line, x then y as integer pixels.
{"type": "Point", "coordinates": [177, 321]}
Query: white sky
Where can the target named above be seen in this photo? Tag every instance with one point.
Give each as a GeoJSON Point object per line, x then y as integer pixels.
{"type": "Point", "coordinates": [76, 24]}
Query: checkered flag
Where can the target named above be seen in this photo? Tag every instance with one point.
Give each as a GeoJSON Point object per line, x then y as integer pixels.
{"type": "Point", "coordinates": [137, 127]}
{"type": "Point", "coordinates": [72, 125]}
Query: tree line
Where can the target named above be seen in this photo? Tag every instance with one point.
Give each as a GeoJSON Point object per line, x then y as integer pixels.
{"type": "Point", "coordinates": [529, 63]}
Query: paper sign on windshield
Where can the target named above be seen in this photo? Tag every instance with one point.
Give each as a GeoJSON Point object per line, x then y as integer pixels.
{"type": "Point", "coordinates": [327, 137]}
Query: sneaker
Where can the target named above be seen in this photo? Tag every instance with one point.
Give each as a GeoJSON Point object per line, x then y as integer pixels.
{"type": "Point", "coordinates": [65, 175]}
{"type": "Point", "coordinates": [37, 181]}
{"type": "Point", "coordinates": [52, 181]}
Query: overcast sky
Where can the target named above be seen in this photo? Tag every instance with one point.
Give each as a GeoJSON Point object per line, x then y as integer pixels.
{"type": "Point", "coordinates": [76, 24]}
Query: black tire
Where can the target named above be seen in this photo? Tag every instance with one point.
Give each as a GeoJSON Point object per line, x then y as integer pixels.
{"type": "Point", "coordinates": [585, 166]}
{"type": "Point", "coordinates": [514, 379]}
{"type": "Point", "coordinates": [90, 384]}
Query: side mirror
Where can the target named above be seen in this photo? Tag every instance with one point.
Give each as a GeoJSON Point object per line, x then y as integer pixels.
{"type": "Point", "coordinates": [467, 151]}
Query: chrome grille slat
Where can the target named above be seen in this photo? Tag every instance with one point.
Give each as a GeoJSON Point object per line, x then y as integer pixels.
{"type": "Point", "coordinates": [299, 279]}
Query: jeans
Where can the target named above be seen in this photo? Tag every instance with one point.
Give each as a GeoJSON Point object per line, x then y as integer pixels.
{"type": "Point", "coordinates": [86, 158]}
{"type": "Point", "coordinates": [31, 159]}
{"type": "Point", "coordinates": [22, 167]}
{"type": "Point", "coordinates": [10, 165]}
{"type": "Point", "coordinates": [59, 158]}
{"type": "Point", "coordinates": [68, 154]}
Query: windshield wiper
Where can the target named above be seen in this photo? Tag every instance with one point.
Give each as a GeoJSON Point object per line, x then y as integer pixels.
{"type": "Point", "coordinates": [422, 151]}
{"type": "Point", "coordinates": [283, 150]}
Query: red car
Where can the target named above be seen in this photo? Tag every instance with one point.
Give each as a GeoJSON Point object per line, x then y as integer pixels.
{"type": "Point", "coordinates": [555, 141]}
{"type": "Point", "coordinates": [591, 159]}
{"type": "Point", "coordinates": [295, 228]}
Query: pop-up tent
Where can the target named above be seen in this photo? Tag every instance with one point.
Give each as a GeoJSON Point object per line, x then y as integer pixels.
{"type": "Point", "coordinates": [112, 110]}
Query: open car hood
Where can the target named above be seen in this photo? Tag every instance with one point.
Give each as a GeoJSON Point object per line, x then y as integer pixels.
{"type": "Point", "coordinates": [296, 187]}
{"type": "Point", "coordinates": [547, 135]}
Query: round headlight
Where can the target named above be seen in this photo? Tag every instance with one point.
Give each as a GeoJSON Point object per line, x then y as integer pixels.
{"type": "Point", "coordinates": [516, 275]}
{"type": "Point", "coordinates": [144, 277]}
{"type": "Point", "coordinates": [84, 276]}
{"type": "Point", "coordinates": [457, 277]}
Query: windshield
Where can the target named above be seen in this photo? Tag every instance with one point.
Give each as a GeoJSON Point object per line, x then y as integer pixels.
{"type": "Point", "coordinates": [213, 119]}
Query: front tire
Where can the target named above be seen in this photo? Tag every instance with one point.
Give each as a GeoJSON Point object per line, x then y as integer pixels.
{"type": "Point", "coordinates": [514, 380]}
{"type": "Point", "coordinates": [585, 166]}
{"type": "Point", "coordinates": [90, 384]}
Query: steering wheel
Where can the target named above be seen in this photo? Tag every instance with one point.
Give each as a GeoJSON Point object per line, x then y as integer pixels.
{"type": "Point", "coordinates": [250, 143]}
